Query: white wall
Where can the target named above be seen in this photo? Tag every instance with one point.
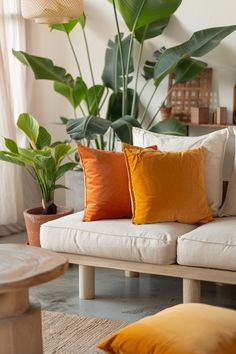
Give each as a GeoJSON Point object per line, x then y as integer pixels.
{"type": "Point", "coordinates": [192, 15]}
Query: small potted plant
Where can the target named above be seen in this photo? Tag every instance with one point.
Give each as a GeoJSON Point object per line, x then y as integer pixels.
{"type": "Point", "coordinates": [45, 164]}
{"type": "Point", "coordinates": [165, 110]}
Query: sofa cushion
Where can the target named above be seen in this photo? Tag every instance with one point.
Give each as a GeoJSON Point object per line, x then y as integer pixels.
{"type": "Point", "coordinates": [182, 329]}
{"type": "Point", "coordinates": [116, 239]}
{"type": "Point", "coordinates": [211, 246]}
{"type": "Point", "coordinates": [214, 144]}
{"type": "Point", "coordinates": [229, 207]}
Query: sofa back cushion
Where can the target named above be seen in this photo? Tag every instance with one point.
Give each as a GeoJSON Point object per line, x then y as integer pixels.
{"type": "Point", "coordinates": [214, 144]}
{"type": "Point", "coordinates": [229, 206]}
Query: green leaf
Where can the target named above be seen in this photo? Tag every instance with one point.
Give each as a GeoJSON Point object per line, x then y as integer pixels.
{"type": "Point", "coordinates": [59, 186]}
{"type": "Point", "coordinates": [75, 93]}
{"type": "Point", "coordinates": [149, 66]}
{"type": "Point", "coordinates": [151, 30]}
{"type": "Point", "coordinates": [112, 72]}
{"type": "Point", "coordinates": [170, 126]}
{"type": "Point", "coordinates": [93, 98]}
{"type": "Point", "coordinates": [64, 120]}
{"type": "Point", "coordinates": [114, 110]}
{"type": "Point", "coordinates": [188, 69]}
{"type": "Point", "coordinates": [47, 164]}
{"type": "Point", "coordinates": [65, 168]}
{"type": "Point", "coordinates": [44, 138]}
{"type": "Point", "coordinates": [58, 142]}
{"type": "Point", "coordinates": [29, 125]}
{"type": "Point", "coordinates": [148, 70]}
{"type": "Point", "coordinates": [199, 44]}
{"type": "Point", "coordinates": [28, 155]}
{"type": "Point", "coordinates": [123, 128]}
{"type": "Point", "coordinates": [69, 26]}
{"type": "Point", "coordinates": [61, 151]}
{"type": "Point", "coordinates": [11, 145]}
{"type": "Point", "coordinates": [87, 127]}
{"type": "Point", "coordinates": [43, 68]}
{"type": "Point", "coordinates": [9, 157]}
{"type": "Point", "coordinates": [147, 11]}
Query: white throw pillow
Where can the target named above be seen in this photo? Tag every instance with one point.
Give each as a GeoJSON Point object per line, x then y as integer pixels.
{"type": "Point", "coordinates": [229, 207]}
{"type": "Point", "coordinates": [214, 143]}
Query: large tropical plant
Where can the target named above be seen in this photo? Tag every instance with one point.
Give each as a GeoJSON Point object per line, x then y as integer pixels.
{"type": "Point", "coordinates": [145, 19]}
{"type": "Point", "coordinates": [44, 163]}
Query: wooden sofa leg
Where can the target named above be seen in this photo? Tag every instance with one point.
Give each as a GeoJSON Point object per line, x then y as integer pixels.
{"type": "Point", "coordinates": [86, 282]}
{"type": "Point", "coordinates": [191, 290]}
{"type": "Point", "coordinates": [129, 274]}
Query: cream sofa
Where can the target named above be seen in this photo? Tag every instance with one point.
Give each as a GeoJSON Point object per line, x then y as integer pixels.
{"type": "Point", "coordinates": [193, 253]}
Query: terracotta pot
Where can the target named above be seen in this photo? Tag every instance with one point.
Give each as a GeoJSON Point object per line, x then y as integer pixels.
{"type": "Point", "coordinates": [165, 112]}
{"type": "Point", "coordinates": [34, 219]}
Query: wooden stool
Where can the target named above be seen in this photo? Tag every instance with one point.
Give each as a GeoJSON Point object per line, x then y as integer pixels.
{"type": "Point", "coordinates": [20, 322]}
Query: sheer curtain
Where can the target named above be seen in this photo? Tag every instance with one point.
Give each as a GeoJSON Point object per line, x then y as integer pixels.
{"type": "Point", "coordinates": [13, 93]}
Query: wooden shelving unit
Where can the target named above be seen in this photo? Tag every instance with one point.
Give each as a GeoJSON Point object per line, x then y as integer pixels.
{"type": "Point", "coordinates": [189, 124]}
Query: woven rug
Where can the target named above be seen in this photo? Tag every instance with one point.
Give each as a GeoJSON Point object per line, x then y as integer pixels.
{"type": "Point", "coordinates": [74, 334]}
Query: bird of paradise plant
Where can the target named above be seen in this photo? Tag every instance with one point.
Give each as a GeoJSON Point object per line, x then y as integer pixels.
{"type": "Point", "coordinates": [145, 20]}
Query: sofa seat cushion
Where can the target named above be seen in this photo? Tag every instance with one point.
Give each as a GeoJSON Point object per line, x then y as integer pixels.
{"type": "Point", "coordinates": [211, 246]}
{"type": "Point", "coordinates": [116, 239]}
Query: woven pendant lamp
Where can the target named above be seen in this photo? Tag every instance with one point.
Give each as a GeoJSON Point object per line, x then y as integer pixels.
{"type": "Point", "coordinates": [51, 11]}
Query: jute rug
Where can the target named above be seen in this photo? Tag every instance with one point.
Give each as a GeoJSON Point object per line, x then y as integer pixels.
{"type": "Point", "coordinates": [74, 334]}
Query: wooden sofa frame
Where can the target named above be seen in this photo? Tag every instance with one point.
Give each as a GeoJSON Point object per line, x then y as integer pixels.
{"type": "Point", "coordinates": [192, 276]}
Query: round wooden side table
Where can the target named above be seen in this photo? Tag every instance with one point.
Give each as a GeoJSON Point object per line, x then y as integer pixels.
{"type": "Point", "coordinates": [21, 267]}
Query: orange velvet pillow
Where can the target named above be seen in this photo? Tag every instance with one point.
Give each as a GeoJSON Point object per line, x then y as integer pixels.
{"type": "Point", "coordinates": [106, 184]}
{"type": "Point", "coordinates": [167, 186]}
{"type": "Point", "coordinates": [182, 329]}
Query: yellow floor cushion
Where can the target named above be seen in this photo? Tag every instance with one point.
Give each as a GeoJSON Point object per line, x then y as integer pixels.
{"type": "Point", "coordinates": [182, 329]}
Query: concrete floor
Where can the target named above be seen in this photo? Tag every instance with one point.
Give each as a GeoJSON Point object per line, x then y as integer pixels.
{"type": "Point", "coordinates": [118, 297]}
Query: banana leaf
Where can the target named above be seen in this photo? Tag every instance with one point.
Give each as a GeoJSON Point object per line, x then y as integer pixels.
{"type": "Point", "coordinates": [43, 68]}
{"type": "Point", "coordinates": [93, 98]}
{"type": "Point", "coordinates": [112, 72]}
{"type": "Point", "coordinates": [69, 26]}
{"type": "Point", "coordinates": [139, 13]}
{"type": "Point", "coordinates": [123, 128]}
{"type": "Point", "coordinates": [87, 127]}
{"type": "Point", "coordinates": [151, 30]}
{"type": "Point", "coordinates": [170, 126]}
{"type": "Point", "coordinates": [114, 110]}
{"type": "Point", "coordinates": [75, 93]}
{"type": "Point", "coordinates": [199, 44]}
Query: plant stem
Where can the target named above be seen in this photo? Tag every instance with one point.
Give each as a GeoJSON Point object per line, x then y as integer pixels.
{"type": "Point", "coordinates": [143, 88]}
{"type": "Point", "coordinates": [102, 143]}
{"type": "Point", "coordinates": [121, 57]}
{"type": "Point", "coordinates": [127, 70]}
{"type": "Point", "coordinates": [75, 114]}
{"type": "Point", "coordinates": [78, 66]}
{"type": "Point", "coordinates": [130, 51]}
{"type": "Point", "coordinates": [155, 115]}
{"type": "Point", "coordinates": [137, 72]}
{"type": "Point", "coordinates": [104, 100]}
{"type": "Point", "coordinates": [113, 141]}
{"type": "Point", "coordinates": [148, 105]}
{"type": "Point", "coordinates": [97, 144]}
{"type": "Point", "coordinates": [91, 70]}
{"type": "Point", "coordinates": [75, 56]}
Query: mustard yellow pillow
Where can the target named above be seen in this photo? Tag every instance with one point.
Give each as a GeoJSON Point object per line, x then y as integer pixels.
{"type": "Point", "coordinates": [182, 329]}
{"type": "Point", "coordinates": [167, 186]}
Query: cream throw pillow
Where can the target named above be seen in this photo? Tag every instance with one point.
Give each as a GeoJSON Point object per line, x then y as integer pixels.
{"type": "Point", "coordinates": [229, 207]}
{"type": "Point", "coordinates": [214, 144]}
